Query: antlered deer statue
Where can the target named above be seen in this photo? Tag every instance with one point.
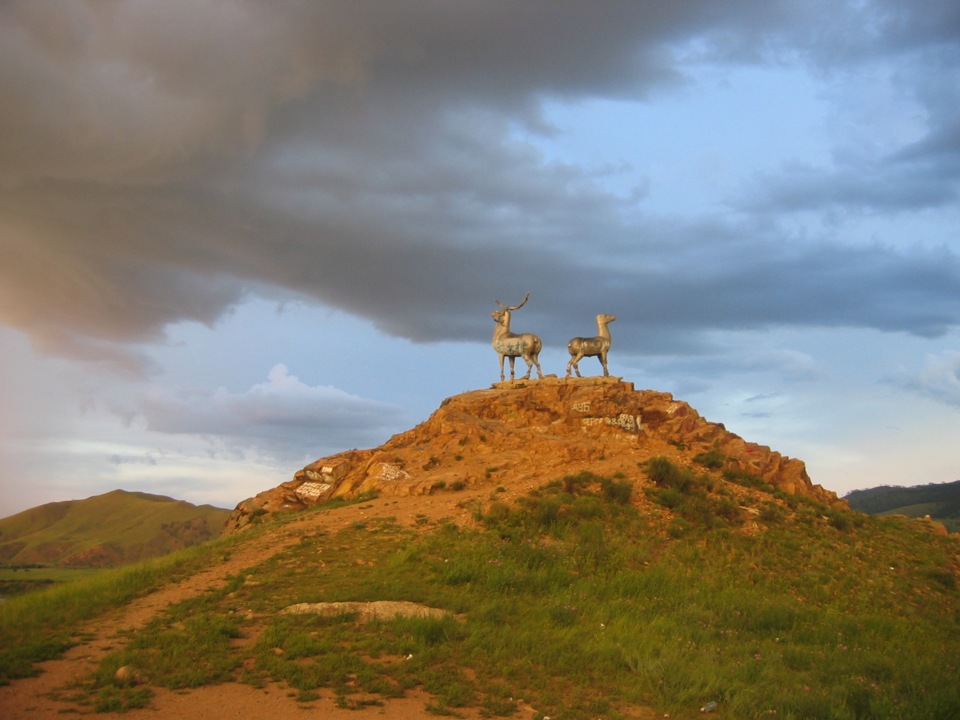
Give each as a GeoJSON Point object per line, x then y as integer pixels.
{"type": "Point", "coordinates": [581, 347]}
{"type": "Point", "coordinates": [511, 345]}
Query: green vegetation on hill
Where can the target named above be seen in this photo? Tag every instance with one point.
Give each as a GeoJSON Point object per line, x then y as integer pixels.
{"type": "Point", "coordinates": [20, 579]}
{"type": "Point", "coordinates": [115, 528]}
{"type": "Point", "coordinates": [941, 501]}
{"type": "Point", "coordinates": [584, 598]}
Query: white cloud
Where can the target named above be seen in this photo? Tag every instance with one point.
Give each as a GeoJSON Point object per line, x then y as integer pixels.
{"type": "Point", "coordinates": [281, 416]}
{"type": "Point", "coordinates": [938, 380]}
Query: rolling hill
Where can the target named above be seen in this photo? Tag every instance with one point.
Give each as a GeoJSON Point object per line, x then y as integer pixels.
{"type": "Point", "coordinates": [115, 528]}
{"type": "Point", "coordinates": [941, 501]}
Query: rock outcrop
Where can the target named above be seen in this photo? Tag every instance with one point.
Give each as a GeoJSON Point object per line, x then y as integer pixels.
{"type": "Point", "coordinates": [527, 433]}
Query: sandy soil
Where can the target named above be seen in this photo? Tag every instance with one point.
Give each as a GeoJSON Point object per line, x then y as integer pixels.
{"type": "Point", "coordinates": [43, 696]}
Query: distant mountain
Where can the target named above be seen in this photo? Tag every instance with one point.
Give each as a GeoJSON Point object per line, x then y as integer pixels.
{"type": "Point", "coordinates": [940, 501]}
{"type": "Point", "coordinates": [115, 528]}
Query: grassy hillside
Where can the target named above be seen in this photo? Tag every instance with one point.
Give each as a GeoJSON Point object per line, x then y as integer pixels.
{"type": "Point", "coordinates": [940, 501]}
{"type": "Point", "coordinates": [105, 530]}
{"type": "Point", "coordinates": [659, 587]}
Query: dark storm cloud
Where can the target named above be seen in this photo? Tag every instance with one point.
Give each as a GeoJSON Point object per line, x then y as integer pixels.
{"type": "Point", "coordinates": [162, 161]}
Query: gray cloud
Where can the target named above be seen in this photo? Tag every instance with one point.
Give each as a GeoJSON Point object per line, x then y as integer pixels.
{"type": "Point", "coordinates": [281, 417]}
{"type": "Point", "coordinates": [162, 162]}
{"type": "Point", "coordinates": [881, 188]}
{"type": "Point", "coordinates": [791, 366]}
{"type": "Point", "coordinates": [133, 459]}
{"type": "Point", "coordinates": [912, 51]}
{"type": "Point", "coordinates": [938, 380]}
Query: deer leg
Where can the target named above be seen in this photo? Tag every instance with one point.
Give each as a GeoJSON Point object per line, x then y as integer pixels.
{"type": "Point", "coordinates": [512, 361]}
{"type": "Point", "coordinates": [501, 368]}
{"type": "Point", "coordinates": [529, 359]}
{"type": "Point", "coordinates": [537, 363]}
{"type": "Point", "coordinates": [603, 361]}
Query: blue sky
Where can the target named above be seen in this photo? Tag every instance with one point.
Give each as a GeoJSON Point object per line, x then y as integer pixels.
{"type": "Point", "coordinates": [237, 236]}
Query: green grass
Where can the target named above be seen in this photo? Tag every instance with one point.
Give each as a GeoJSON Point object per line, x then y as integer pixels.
{"type": "Point", "coordinates": [16, 580]}
{"type": "Point", "coordinates": [40, 625]}
{"type": "Point", "coordinates": [179, 652]}
{"type": "Point", "coordinates": [578, 602]}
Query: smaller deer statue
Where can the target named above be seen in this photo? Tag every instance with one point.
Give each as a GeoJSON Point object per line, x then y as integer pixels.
{"type": "Point", "coordinates": [510, 345]}
{"type": "Point", "coordinates": [581, 347]}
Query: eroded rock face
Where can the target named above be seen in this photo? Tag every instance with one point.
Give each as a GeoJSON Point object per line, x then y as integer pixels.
{"type": "Point", "coordinates": [529, 433]}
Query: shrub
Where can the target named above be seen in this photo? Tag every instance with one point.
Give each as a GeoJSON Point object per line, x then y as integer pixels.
{"type": "Point", "coordinates": [497, 514]}
{"type": "Point", "coordinates": [681, 491]}
{"type": "Point", "coordinates": [667, 497]}
{"type": "Point", "coordinates": [943, 577]}
{"type": "Point", "coordinates": [729, 511]}
{"type": "Point", "coordinates": [618, 491]}
{"type": "Point", "coordinates": [771, 512]}
{"type": "Point", "coordinates": [545, 513]}
{"type": "Point", "coordinates": [573, 484]}
{"type": "Point", "coordinates": [712, 459]}
{"type": "Point", "coordinates": [665, 474]}
{"type": "Point", "coordinates": [588, 507]}
{"type": "Point", "coordinates": [740, 477]}
{"type": "Point", "coordinates": [840, 521]}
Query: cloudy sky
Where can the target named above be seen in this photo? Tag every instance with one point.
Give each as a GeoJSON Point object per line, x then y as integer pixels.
{"type": "Point", "coordinates": [239, 236]}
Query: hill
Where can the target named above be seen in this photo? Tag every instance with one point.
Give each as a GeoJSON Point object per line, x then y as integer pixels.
{"type": "Point", "coordinates": [941, 501]}
{"type": "Point", "coordinates": [528, 433]}
{"type": "Point", "coordinates": [570, 549]}
{"type": "Point", "coordinates": [115, 528]}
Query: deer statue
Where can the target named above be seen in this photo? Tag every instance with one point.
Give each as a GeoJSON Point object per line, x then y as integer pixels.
{"type": "Point", "coordinates": [510, 345]}
{"type": "Point", "coordinates": [581, 347]}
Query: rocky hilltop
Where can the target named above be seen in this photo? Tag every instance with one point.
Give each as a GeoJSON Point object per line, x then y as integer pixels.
{"type": "Point", "coordinates": [524, 434]}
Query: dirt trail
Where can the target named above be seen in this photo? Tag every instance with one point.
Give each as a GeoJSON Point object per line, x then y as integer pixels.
{"type": "Point", "coordinates": [36, 698]}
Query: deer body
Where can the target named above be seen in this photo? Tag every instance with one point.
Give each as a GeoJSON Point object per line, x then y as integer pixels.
{"type": "Point", "coordinates": [581, 347]}
{"type": "Point", "coordinates": [510, 345]}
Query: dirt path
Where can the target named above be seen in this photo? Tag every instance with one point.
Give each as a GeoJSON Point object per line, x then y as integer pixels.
{"type": "Point", "coordinates": [36, 698]}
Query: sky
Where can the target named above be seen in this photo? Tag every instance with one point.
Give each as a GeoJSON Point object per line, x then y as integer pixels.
{"type": "Point", "coordinates": [236, 237]}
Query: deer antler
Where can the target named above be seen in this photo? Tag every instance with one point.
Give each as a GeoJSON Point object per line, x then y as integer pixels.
{"type": "Point", "coordinates": [515, 307]}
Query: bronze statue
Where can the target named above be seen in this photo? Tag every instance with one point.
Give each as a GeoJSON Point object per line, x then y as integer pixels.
{"type": "Point", "coordinates": [581, 347]}
{"type": "Point", "coordinates": [511, 345]}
